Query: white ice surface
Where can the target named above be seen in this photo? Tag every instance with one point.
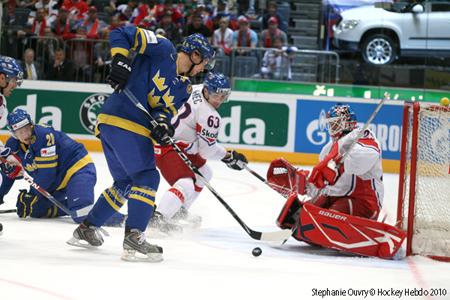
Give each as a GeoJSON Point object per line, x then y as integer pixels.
{"type": "Point", "coordinates": [214, 262]}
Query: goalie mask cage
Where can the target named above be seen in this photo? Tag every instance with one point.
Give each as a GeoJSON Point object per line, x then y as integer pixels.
{"type": "Point", "coordinates": [424, 181]}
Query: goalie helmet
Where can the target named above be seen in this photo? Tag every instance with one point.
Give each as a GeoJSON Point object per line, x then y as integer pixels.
{"type": "Point", "coordinates": [17, 119]}
{"type": "Point", "coordinates": [11, 69]}
{"type": "Point", "coordinates": [340, 119]}
{"type": "Point", "coordinates": [197, 42]}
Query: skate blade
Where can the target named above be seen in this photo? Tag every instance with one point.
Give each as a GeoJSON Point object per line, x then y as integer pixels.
{"type": "Point", "coordinates": [80, 243]}
{"type": "Point", "coordinates": [131, 255]}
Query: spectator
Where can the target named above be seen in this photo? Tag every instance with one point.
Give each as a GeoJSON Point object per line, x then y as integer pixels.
{"type": "Point", "coordinates": [102, 53]}
{"type": "Point", "coordinates": [92, 24]}
{"type": "Point", "coordinates": [77, 8]}
{"type": "Point", "coordinates": [276, 63]}
{"type": "Point", "coordinates": [125, 11]}
{"type": "Point", "coordinates": [268, 35]}
{"type": "Point", "coordinates": [197, 26]}
{"type": "Point", "coordinates": [223, 37]}
{"type": "Point", "coordinates": [161, 9]}
{"type": "Point", "coordinates": [36, 27]}
{"type": "Point", "coordinates": [62, 69]}
{"type": "Point", "coordinates": [50, 8]}
{"type": "Point", "coordinates": [272, 12]}
{"type": "Point", "coordinates": [244, 36]}
{"type": "Point", "coordinates": [31, 69]}
{"type": "Point", "coordinates": [172, 32]}
{"type": "Point", "coordinates": [63, 27]}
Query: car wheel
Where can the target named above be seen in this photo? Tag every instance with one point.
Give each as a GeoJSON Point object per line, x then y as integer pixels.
{"type": "Point", "coordinates": [379, 49]}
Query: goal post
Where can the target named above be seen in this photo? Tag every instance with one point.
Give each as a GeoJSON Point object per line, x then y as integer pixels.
{"type": "Point", "coordinates": [423, 209]}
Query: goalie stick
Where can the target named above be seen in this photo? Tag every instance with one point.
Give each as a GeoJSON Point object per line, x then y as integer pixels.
{"type": "Point", "coordinates": [280, 235]}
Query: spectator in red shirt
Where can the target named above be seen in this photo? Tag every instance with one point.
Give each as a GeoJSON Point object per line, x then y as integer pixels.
{"type": "Point", "coordinates": [92, 24]}
{"type": "Point", "coordinates": [77, 8]}
{"type": "Point", "coordinates": [223, 37]}
{"type": "Point", "coordinates": [63, 27]}
{"type": "Point", "coordinates": [268, 35]}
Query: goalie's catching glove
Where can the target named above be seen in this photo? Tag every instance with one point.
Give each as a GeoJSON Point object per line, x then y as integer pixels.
{"type": "Point", "coordinates": [235, 160]}
{"type": "Point", "coordinates": [120, 72]}
{"type": "Point", "coordinates": [162, 131]}
{"type": "Point", "coordinates": [328, 170]}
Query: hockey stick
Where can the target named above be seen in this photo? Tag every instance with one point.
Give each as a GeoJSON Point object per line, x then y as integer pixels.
{"type": "Point", "coordinates": [7, 211]}
{"type": "Point", "coordinates": [280, 235]}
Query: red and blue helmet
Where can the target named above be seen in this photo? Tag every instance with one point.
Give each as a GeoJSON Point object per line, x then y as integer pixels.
{"type": "Point", "coordinates": [11, 69]}
{"type": "Point", "coordinates": [341, 119]}
{"type": "Point", "coordinates": [217, 83]}
{"type": "Point", "coordinates": [197, 42]}
{"type": "Point", "coordinates": [17, 119]}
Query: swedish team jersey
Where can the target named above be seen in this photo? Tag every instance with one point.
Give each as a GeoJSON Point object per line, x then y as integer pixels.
{"type": "Point", "coordinates": [52, 157]}
{"type": "Point", "coordinates": [153, 80]}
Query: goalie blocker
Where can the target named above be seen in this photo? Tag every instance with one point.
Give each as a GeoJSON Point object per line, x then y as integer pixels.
{"type": "Point", "coordinates": [335, 230]}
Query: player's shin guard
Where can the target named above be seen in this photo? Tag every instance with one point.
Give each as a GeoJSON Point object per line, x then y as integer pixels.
{"type": "Point", "coordinates": [141, 202]}
{"type": "Point", "coordinates": [108, 204]}
{"type": "Point", "coordinates": [177, 196]}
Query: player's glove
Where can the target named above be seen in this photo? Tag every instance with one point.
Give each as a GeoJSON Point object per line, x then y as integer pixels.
{"type": "Point", "coordinates": [163, 131]}
{"type": "Point", "coordinates": [235, 160]}
{"type": "Point", "coordinates": [25, 203]}
{"type": "Point", "coordinates": [120, 71]}
{"type": "Point", "coordinates": [10, 163]}
{"type": "Point", "coordinates": [328, 170]}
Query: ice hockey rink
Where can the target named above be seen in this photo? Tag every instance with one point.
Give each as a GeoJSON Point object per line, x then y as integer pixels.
{"type": "Point", "coordinates": [213, 262]}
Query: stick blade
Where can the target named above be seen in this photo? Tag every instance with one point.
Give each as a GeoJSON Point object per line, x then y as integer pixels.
{"type": "Point", "coordinates": [275, 236]}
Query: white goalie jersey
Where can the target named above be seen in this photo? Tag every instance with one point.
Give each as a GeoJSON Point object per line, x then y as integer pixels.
{"type": "Point", "coordinates": [197, 126]}
{"type": "Point", "coordinates": [363, 174]}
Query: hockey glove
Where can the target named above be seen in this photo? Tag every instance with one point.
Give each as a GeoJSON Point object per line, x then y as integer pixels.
{"type": "Point", "coordinates": [25, 203]}
{"type": "Point", "coordinates": [10, 164]}
{"type": "Point", "coordinates": [235, 160]}
{"type": "Point", "coordinates": [120, 71]}
{"type": "Point", "coordinates": [328, 170]}
{"type": "Point", "coordinates": [163, 131]}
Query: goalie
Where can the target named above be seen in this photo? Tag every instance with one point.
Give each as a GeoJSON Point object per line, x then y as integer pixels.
{"type": "Point", "coordinates": [338, 203]}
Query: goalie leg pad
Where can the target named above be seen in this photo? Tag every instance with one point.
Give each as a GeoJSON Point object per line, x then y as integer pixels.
{"type": "Point", "coordinates": [335, 230]}
{"type": "Point", "coordinates": [289, 213]}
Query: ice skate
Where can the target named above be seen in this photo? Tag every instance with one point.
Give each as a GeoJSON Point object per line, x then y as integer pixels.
{"type": "Point", "coordinates": [160, 223]}
{"type": "Point", "coordinates": [184, 218]}
{"type": "Point", "coordinates": [134, 241]}
{"type": "Point", "coordinates": [87, 236]}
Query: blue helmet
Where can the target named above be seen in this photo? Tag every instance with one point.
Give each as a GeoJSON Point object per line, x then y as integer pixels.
{"type": "Point", "coordinates": [17, 119]}
{"type": "Point", "coordinates": [217, 83]}
{"type": "Point", "coordinates": [11, 69]}
{"type": "Point", "coordinates": [198, 42]}
{"type": "Point", "coordinates": [341, 119]}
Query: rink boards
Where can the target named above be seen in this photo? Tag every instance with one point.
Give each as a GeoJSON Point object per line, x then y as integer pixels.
{"type": "Point", "coordinates": [262, 125]}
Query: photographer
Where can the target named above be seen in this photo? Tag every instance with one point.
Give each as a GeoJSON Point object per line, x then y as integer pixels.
{"type": "Point", "coordinates": [276, 63]}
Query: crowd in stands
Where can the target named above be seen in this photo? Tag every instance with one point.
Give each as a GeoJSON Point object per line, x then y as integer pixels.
{"type": "Point", "coordinates": [67, 39]}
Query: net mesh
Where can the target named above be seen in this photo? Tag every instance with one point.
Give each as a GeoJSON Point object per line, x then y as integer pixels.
{"type": "Point", "coordinates": [431, 232]}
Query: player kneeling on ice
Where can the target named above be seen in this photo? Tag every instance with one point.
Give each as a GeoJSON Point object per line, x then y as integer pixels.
{"type": "Point", "coordinates": [196, 129]}
{"type": "Point", "coordinates": [56, 162]}
{"type": "Point", "coordinates": [339, 202]}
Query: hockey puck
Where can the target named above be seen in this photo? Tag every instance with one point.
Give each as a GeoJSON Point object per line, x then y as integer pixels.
{"type": "Point", "coordinates": [256, 252]}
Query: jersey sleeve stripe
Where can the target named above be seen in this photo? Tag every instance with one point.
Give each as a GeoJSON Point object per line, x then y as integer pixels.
{"type": "Point", "coordinates": [46, 166]}
{"type": "Point", "coordinates": [118, 50]}
{"type": "Point", "coordinates": [49, 158]}
{"type": "Point", "coordinates": [143, 41]}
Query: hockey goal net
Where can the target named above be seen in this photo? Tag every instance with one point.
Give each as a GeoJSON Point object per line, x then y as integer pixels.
{"type": "Point", "coordinates": [424, 186]}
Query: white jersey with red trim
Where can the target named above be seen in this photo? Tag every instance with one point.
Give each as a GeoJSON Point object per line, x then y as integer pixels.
{"type": "Point", "coordinates": [197, 126]}
{"type": "Point", "coordinates": [363, 173]}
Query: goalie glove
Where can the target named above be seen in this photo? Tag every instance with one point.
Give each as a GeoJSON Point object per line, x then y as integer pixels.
{"type": "Point", "coordinates": [10, 163]}
{"type": "Point", "coordinates": [120, 72]}
{"type": "Point", "coordinates": [162, 131]}
{"type": "Point", "coordinates": [235, 160]}
{"type": "Point", "coordinates": [328, 170]}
